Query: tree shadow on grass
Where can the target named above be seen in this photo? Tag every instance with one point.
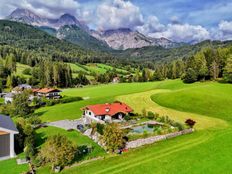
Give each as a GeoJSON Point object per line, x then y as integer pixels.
{"type": "Point", "coordinates": [40, 139]}
{"type": "Point", "coordinates": [40, 113]}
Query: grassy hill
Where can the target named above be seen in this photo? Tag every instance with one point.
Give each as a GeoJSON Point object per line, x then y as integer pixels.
{"type": "Point", "coordinates": [207, 150]}
{"type": "Point", "coordinates": [189, 153]}
{"type": "Point", "coordinates": [94, 68]}
{"type": "Point", "coordinates": [20, 68]}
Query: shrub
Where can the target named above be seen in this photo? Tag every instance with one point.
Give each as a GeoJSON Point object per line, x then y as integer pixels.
{"type": "Point", "coordinates": [27, 71]}
{"type": "Point", "coordinates": [156, 116]}
{"type": "Point", "coordinates": [144, 112]}
{"type": "Point", "coordinates": [100, 128]}
{"type": "Point", "coordinates": [127, 117]}
{"type": "Point", "coordinates": [190, 76]}
{"type": "Point", "coordinates": [34, 120]}
{"type": "Point", "coordinates": [162, 119]}
{"type": "Point", "coordinates": [150, 115]}
{"type": "Point", "coordinates": [190, 123]}
{"type": "Point", "coordinates": [145, 134]}
{"type": "Point", "coordinates": [53, 151]}
{"type": "Point", "coordinates": [159, 130]}
{"type": "Point", "coordinates": [179, 126]}
{"type": "Point", "coordinates": [113, 137]}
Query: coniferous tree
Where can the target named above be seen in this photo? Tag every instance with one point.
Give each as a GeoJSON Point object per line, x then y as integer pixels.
{"type": "Point", "coordinates": [228, 70]}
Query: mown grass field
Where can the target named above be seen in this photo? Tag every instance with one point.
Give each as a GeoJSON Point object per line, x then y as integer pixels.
{"type": "Point", "coordinates": [96, 94]}
{"type": "Point", "coordinates": [205, 151]}
{"type": "Point", "coordinates": [94, 67]}
{"type": "Point", "coordinates": [20, 68]}
{"type": "Point", "coordinates": [208, 150]}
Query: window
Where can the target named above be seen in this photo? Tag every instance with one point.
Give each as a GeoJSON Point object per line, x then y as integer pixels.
{"type": "Point", "coordinates": [90, 113]}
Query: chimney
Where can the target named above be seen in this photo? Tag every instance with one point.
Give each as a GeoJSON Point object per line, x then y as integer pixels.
{"type": "Point", "coordinates": [107, 110]}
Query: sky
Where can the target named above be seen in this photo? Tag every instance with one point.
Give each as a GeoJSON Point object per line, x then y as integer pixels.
{"type": "Point", "coordinates": [177, 20]}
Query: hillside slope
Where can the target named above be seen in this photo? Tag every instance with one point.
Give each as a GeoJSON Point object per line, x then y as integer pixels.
{"type": "Point", "coordinates": [160, 54]}
{"type": "Point", "coordinates": [76, 35]}
{"type": "Point", "coordinates": [37, 42]}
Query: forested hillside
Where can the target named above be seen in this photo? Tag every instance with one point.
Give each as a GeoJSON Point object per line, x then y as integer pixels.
{"type": "Point", "coordinates": [160, 54]}
{"type": "Point", "coordinates": [76, 35]}
{"type": "Point", "coordinates": [39, 44]}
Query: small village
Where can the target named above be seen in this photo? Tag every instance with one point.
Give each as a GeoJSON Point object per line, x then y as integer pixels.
{"type": "Point", "coordinates": [134, 130]}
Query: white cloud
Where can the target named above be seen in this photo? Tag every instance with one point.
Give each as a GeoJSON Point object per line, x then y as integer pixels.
{"type": "Point", "coordinates": [223, 31]}
{"type": "Point", "coordinates": [51, 8]}
{"type": "Point", "coordinates": [118, 14]}
{"type": "Point", "coordinates": [184, 33]}
{"type": "Point", "coordinates": [174, 31]}
{"type": "Point", "coordinates": [225, 27]}
{"type": "Point", "coordinates": [151, 25]}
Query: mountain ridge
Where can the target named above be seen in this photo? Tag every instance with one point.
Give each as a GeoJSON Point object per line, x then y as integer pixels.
{"type": "Point", "coordinates": [125, 38]}
{"type": "Point", "coordinates": [118, 39]}
{"type": "Point", "coordinates": [29, 17]}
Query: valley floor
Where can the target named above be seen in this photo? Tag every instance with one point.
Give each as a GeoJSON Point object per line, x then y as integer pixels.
{"type": "Point", "coordinates": [208, 150]}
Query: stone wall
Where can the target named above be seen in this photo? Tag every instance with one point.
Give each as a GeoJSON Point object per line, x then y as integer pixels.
{"type": "Point", "coordinates": [150, 140]}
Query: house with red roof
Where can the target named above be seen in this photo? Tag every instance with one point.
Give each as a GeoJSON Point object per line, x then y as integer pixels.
{"type": "Point", "coordinates": [108, 112]}
{"type": "Point", "coordinates": [49, 93]}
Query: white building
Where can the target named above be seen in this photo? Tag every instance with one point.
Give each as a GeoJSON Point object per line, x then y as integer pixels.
{"type": "Point", "coordinates": [108, 112]}
{"type": "Point", "coordinates": [7, 132]}
{"type": "Point", "coordinates": [9, 97]}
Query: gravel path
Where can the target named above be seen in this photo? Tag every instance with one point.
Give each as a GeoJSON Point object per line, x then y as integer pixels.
{"type": "Point", "coordinates": [66, 124]}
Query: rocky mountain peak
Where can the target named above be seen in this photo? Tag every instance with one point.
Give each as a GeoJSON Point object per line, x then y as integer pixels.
{"type": "Point", "coordinates": [68, 19]}
{"type": "Point", "coordinates": [24, 15]}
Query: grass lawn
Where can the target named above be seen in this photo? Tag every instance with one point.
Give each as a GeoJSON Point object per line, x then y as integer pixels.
{"type": "Point", "coordinates": [10, 166]}
{"type": "Point", "coordinates": [76, 67]}
{"type": "Point", "coordinates": [107, 67]}
{"type": "Point", "coordinates": [96, 94]}
{"type": "Point", "coordinates": [1, 100]}
{"type": "Point", "coordinates": [21, 68]}
{"type": "Point", "coordinates": [208, 150]}
{"type": "Point", "coordinates": [76, 137]}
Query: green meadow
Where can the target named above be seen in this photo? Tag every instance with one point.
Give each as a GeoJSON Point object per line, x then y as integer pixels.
{"type": "Point", "coordinates": [207, 150]}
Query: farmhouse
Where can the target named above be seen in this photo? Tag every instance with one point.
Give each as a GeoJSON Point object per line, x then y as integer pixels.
{"type": "Point", "coordinates": [109, 112]}
{"type": "Point", "coordinates": [20, 88]}
{"type": "Point", "coordinates": [49, 93]}
{"type": "Point", "coordinates": [7, 132]}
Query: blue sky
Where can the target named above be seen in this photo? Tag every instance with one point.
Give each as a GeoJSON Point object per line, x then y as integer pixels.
{"type": "Point", "coordinates": [203, 12]}
{"type": "Point", "coordinates": [198, 12]}
{"type": "Point", "coordinates": [178, 20]}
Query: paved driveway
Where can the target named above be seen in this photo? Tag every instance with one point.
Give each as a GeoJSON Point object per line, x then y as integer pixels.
{"type": "Point", "coordinates": [66, 124]}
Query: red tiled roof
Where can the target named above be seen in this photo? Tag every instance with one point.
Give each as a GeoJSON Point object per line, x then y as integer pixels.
{"type": "Point", "coordinates": [109, 109]}
{"type": "Point", "coordinates": [35, 89]}
{"type": "Point", "coordinates": [47, 90]}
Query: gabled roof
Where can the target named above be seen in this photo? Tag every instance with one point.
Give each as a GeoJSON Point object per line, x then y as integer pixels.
{"type": "Point", "coordinates": [7, 123]}
{"type": "Point", "coordinates": [109, 108]}
{"type": "Point", "coordinates": [26, 86]}
{"type": "Point", "coordinates": [9, 95]}
{"type": "Point", "coordinates": [47, 90]}
{"type": "Point", "coordinates": [35, 89]}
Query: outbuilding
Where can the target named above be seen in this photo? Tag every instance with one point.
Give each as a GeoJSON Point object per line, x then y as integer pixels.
{"type": "Point", "coordinates": [7, 133]}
